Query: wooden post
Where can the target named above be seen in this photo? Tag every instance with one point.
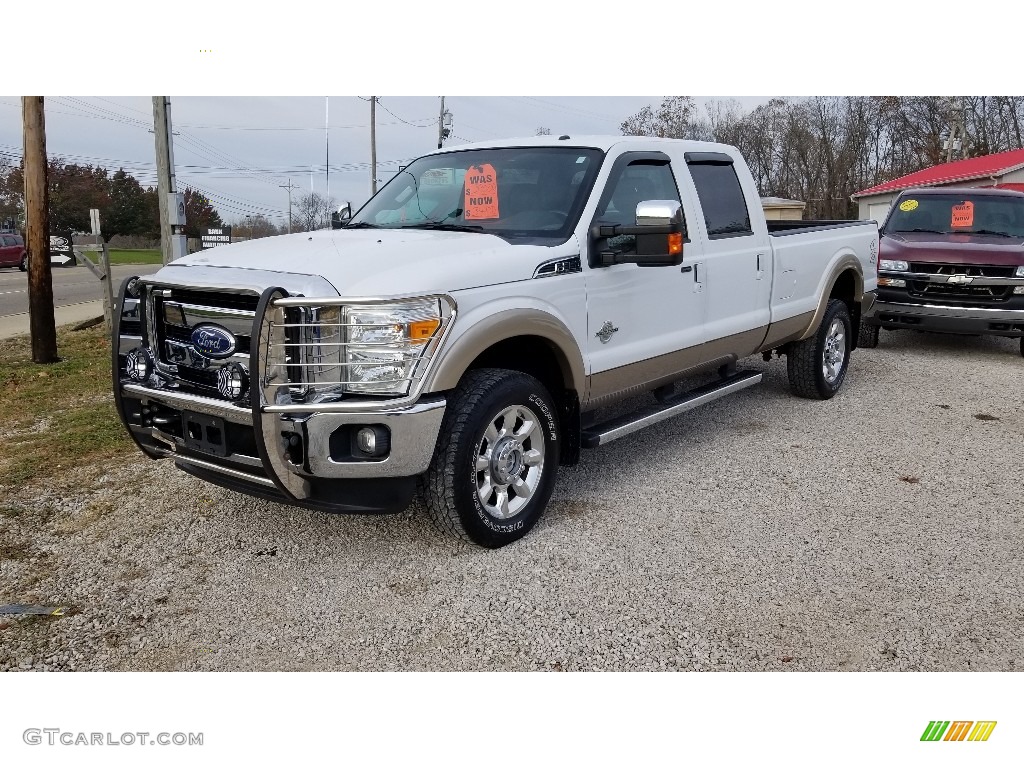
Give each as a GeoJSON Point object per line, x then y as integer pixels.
{"type": "Point", "coordinates": [108, 290]}
{"type": "Point", "coordinates": [164, 171]}
{"type": "Point", "coordinates": [42, 324]}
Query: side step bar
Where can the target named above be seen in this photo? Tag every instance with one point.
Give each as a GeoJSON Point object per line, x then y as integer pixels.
{"type": "Point", "coordinates": [599, 434]}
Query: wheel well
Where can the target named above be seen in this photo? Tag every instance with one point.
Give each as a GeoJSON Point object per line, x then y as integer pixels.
{"type": "Point", "coordinates": [845, 289]}
{"type": "Point", "coordinates": [528, 354]}
{"type": "Point", "coordinates": [541, 359]}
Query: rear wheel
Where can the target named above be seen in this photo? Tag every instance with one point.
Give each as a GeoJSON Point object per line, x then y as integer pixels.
{"type": "Point", "coordinates": [496, 459]}
{"type": "Point", "coordinates": [817, 366]}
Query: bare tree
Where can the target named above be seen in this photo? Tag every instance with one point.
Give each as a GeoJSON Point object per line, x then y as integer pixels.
{"type": "Point", "coordinates": [312, 212]}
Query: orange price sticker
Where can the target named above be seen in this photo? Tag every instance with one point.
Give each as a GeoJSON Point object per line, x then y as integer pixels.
{"type": "Point", "coordinates": [481, 192]}
{"type": "Point", "coordinates": [963, 214]}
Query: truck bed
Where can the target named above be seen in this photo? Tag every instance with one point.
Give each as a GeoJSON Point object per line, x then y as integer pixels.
{"type": "Point", "coordinates": [782, 227]}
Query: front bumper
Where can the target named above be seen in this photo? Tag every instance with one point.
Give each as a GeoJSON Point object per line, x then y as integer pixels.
{"type": "Point", "coordinates": [893, 315]}
{"type": "Point", "coordinates": [302, 457]}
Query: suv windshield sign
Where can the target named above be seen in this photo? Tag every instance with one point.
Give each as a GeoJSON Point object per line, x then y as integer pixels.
{"type": "Point", "coordinates": [960, 213]}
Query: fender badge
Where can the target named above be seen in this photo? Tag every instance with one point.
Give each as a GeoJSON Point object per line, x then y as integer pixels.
{"type": "Point", "coordinates": [606, 331]}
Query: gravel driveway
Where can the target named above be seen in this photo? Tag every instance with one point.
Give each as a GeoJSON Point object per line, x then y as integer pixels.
{"type": "Point", "coordinates": [879, 530]}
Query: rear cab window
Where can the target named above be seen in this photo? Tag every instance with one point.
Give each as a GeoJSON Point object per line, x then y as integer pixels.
{"type": "Point", "coordinates": [721, 196]}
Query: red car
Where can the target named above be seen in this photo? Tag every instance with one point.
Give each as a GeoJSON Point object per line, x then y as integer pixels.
{"type": "Point", "coordinates": [12, 251]}
{"type": "Point", "coordinates": [951, 260]}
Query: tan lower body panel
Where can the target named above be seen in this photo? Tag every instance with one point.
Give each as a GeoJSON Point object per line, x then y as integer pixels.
{"type": "Point", "coordinates": [627, 380]}
{"type": "Point", "coordinates": [786, 330]}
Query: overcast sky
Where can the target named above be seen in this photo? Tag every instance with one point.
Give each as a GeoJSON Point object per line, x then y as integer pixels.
{"type": "Point", "coordinates": [239, 150]}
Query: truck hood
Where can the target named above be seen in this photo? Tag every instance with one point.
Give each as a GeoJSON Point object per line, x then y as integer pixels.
{"type": "Point", "coordinates": [381, 262]}
{"type": "Point", "coordinates": [932, 247]}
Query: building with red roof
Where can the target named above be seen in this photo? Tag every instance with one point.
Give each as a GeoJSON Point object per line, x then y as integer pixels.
{"type": "Point", "coordinates": [1004, 170]}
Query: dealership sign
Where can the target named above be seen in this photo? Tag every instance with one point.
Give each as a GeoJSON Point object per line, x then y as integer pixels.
{"type": "Point", "coordinates": [214, 236]}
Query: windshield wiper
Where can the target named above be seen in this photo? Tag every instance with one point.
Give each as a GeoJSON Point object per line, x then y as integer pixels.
{"type": "Point", "coordinates": [361, 225]}
{"type": "Point", "coordinates": [445, 227]}
{"type": "Point", "coordinates": [921, 229]}
{"type": "Point", "coordinates": [990, 232]}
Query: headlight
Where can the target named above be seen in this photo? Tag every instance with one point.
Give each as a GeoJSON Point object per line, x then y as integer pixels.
{"type": "Point", "coordinates": [384, 344]}
{"type": "Point", "coordinates": [1019, 272]}
{"type": "Point", "coordinates": [893, 266]}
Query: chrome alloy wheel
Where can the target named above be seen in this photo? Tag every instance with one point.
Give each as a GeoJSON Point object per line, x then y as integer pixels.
{"type": "Point", "coordinates": [509, 462]}
{"type": "Point", "coordinates": [835, 351]}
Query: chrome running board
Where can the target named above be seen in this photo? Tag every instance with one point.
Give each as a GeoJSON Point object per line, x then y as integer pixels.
{"type": "Point", "coordinates": [599, 434]}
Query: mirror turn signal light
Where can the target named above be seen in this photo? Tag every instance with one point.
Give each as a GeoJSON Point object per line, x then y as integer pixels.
{"type": "Point", "coordinates": [675, 243]}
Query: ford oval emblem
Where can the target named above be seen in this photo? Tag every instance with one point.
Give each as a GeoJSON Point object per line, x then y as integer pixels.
{"type": "Point", "coordinates": [213, 341]}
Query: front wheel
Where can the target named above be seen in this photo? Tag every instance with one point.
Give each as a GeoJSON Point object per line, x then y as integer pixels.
{"type": "Point", "coordinates": [24, 263]}
{"type": "Point", "coordinates": [1022, 346]}
{"type": "Point", "coordinates": [496, 458]}
{"type": "Point", "coordinates": [817, 366]}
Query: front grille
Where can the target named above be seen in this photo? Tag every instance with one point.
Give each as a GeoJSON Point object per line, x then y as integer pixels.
{"type": "Point", "coordinates": [176, 316]}
{"type": "Point", "coordinates": [974, 295]}
{"type": "Point", "coordinates": [243, 301]}
{"type": "Point", "coordinates": [971, 270]}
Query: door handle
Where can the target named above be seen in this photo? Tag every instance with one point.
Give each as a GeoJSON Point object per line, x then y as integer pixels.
{"type": "Point", "coordinates": [686, 269]}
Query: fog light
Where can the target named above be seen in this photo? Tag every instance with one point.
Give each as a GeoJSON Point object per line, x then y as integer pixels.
{"type": "Point", "coordinates": [366, 440]}
{"type": "Point", "coordinates": [232, 381]}
{"type": "Point", "coordinates": [892, 282]}
{"type": "Point", "coordinates": [1019, 289]}
{"type": "Point", "coordinates": [138, 364]}
{"type": "Point", "coordinates": [372, 442]}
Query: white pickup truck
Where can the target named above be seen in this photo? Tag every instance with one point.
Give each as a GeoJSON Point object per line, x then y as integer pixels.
{"type": "Point", "coordinates": [461, 331]}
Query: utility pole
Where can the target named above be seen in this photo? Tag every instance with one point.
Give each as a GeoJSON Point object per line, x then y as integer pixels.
{"type": "Point", "coordinates": [164, 168]}
{"type": "Point", "coordinates": [289, 186]}
{"type": "Point", "coordinates": [444, 122]}
{"type": "Point", "coordinates": [956, 128]}
{"type": "Point", "coordinates": [373, 145]}
{"type": "Point", "coordinates": [42, 324]}
{"type": "Point", "coordinates": [440, 125]}
{"type": "Point", "coordinates": [327, 143]}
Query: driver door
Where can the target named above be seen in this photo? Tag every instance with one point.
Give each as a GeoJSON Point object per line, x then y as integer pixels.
{"type": "Point", "coordinates": [643, 323]}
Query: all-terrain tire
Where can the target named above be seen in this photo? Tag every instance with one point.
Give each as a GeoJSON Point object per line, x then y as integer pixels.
{"type": "Point", "coordinates": [500, 431]}
{"type": "Point", "coordinates": [867, 337]}
{"type": "Point", "coordinates": [817, 365]}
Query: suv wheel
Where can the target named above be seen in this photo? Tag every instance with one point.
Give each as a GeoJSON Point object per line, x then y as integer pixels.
{"type": "Point", "coordinates": [868, 336]}
{"type": "Point", "coordinates": [817, 366]}
{"type": "Point", "coordinates": [496, 458]}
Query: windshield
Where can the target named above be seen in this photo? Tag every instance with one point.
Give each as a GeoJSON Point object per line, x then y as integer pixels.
{"type": "Point", "coordinates": [519, 193]}
{"type": "Point", "coordinates": [958, 214]}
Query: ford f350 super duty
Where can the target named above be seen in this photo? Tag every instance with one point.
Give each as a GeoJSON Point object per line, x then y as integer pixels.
{"type": "Point", "coordinates": [462, 330]}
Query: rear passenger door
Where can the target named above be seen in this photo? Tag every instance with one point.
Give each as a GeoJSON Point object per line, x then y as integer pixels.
{"type": "Point", "coordinates": [737, 252]}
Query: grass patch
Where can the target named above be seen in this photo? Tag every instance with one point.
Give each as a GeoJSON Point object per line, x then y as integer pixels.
{"type": "Point", "coordinates": [54, 417]}
{"type": "Point", "coordinates": [134, 257]}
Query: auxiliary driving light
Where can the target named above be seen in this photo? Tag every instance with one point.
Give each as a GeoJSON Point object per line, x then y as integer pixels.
{"type": "Point", "coordinates": [138, 364]}
{"type": "Point", "coordinates": [373, 441]}
{"type": "Point", "coordinates": [232, 381]}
